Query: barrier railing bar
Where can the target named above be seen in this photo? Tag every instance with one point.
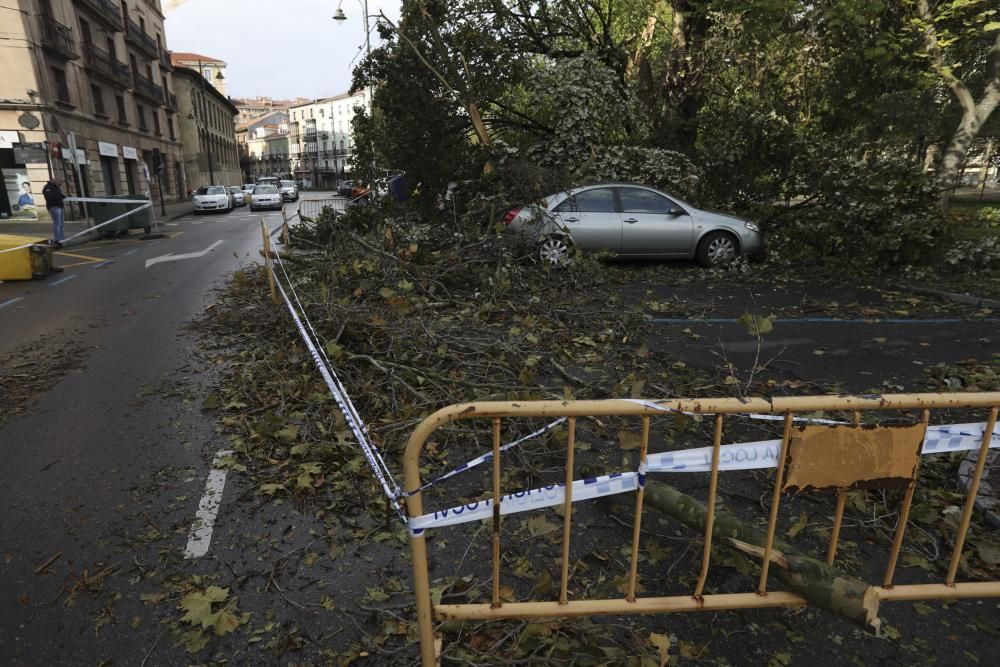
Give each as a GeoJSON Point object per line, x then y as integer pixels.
{"type": "Point", "coordinates": [710, 510]}
{"type": "Point", "coordinates": [616, 606]}
{"type": "Point", "coordinates": [637, 520]}
{"type": "Point", "coordinates": [567, 510]}
{"type": "Point", "coordinates": [970, 500]}
{"type": "Point", "coordinates": [904, 515]}
{"type": "Point", "coordinates": [772, 521]}
{"type": "Point", "coordinates": [267, 260]}
{"type": "Point", "coordinates": [838, 518]}
{"type": "Point", "coordinates": [496, 511]}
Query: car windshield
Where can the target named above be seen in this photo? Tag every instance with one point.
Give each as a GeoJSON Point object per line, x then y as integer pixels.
{"type": "Point", "coordinates": [287, 184]}
{"type": "Point", "coordinates": [236, 189]}
{"type": "Point", "coordinates": [211, 190]}
{"type": "Point", "coordinates": [265, 190]}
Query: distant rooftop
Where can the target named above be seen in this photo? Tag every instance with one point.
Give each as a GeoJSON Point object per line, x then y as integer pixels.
{"type": "Point", "coordinates": [184, 57]}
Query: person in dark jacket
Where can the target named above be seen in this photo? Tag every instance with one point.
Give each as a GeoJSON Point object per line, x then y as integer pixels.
{"type": "Point", "coordinates": [54, 202]}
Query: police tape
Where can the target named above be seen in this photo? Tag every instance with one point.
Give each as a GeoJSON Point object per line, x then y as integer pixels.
{"type": "Point", "coordinates": [940, 439]}
{"type": "Point", "coordinates": [525, 501]}
{"type": "Point", "coordinates": [351, 416]}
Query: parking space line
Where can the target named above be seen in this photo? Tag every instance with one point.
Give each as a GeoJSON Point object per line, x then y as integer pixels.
{"type": "Point", "coordinates": [815, 320]}
{"type": "Point", "coordinates": [10, 302]}
{"type": "Point", "coordinates": [130, 252]}
{"type": "Point", "coordinates": [103, 264]}
{"type": "Point", "coordinates": [200, 537]}
{"type": "Point", "coordinates": [64, 279]}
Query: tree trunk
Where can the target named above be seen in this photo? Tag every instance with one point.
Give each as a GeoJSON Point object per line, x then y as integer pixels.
{"type": "Point", "coordinates": [954, 155]}
{"type": "Point", "coordinates": [813, 579]}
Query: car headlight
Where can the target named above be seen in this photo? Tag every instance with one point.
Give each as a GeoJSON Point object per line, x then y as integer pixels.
{"type": "Point", "coordinates": [753, 227]}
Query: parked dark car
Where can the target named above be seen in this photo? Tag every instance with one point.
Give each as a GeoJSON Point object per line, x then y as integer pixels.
{"type": "Point", "coordinates": [345, 187]}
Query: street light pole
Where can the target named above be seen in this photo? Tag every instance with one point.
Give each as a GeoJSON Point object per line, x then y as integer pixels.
{"type": "Point", "coordinates": [340, 17]}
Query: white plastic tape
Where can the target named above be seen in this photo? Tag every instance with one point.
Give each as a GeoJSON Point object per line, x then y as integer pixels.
{"type": "Point", "coordinates": [525, 501]}
{"type": "Point", "coordinates": [742, 456]}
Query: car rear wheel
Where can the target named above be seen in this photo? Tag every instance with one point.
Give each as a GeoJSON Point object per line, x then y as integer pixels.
{"type": "Point", "coordinates": [717, 249]}
{"type": "Point", "coordinates": [555, 251]}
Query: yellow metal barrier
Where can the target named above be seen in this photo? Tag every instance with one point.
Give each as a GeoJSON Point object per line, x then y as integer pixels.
{"type": "Point", "coordinates": [894, 458]}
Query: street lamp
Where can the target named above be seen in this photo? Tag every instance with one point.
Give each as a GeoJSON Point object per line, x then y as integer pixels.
{"type": "Point", "coordinates": [340, 17]}
{"type": "Point", "coordinates": [201, 124]}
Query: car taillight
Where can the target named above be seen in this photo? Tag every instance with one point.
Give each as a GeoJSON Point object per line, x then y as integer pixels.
{"type": "Point", "coordinates": [511, 214]}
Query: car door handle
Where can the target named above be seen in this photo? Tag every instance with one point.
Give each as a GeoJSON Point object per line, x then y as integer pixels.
{"type": "Point", "coordinates": [572, 219]}
{"type": "Point", "coordinates": [631, 221]}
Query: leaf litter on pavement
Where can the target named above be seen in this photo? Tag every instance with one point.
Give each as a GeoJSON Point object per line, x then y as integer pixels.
{"type": "Point", "coordinates": [419, 319]}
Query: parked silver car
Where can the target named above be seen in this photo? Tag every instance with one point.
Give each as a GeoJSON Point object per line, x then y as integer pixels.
{"type": "Point", "coordinates": [632, 221]}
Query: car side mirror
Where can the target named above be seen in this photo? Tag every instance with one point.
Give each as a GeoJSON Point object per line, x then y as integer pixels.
{"type": "Point", "coordinates": [676, 211]}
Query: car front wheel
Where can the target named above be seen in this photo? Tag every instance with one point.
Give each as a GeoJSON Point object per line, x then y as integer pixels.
{"type": "Point", "coordinates": [717, 249]}
{"type": "Point", "coordinates": [555, 251]}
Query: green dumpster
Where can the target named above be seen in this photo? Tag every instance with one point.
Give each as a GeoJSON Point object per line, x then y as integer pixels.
{"type": "Point", "coordinates": [105, 211]}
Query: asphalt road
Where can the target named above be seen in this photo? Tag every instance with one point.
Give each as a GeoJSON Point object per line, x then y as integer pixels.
{"type": "Point", "coordinates": [118, 448]}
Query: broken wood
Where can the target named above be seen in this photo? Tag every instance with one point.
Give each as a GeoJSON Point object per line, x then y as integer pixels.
{"type": "Point", "coordinates": [804, 575]}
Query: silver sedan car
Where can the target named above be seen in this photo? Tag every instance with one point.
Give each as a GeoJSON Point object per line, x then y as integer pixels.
{"type": "Point", "coordinates": [633, 221]}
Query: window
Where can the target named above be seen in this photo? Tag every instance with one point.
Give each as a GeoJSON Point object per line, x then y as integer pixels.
{"type": "Point", "coordinates": [170, 126]}
{"type": "Point", "coordinates": [207, 73]}
{"type": "Point", "coordinates": [85, 32]}
{"type": "Point", "coordinates": [62, 87]}
{"type": "Point", "coordinates": [140, 111]}
{"type": "Point", "coordinates": [600, 200]}
{"type": "Point", "coordinates": [120, 101]}
{"type": "Point", "coordinates": [635, 200]}
{"type": "Point", "coordinates": [95, 92]}
{"type": "Point", "coordinates": [156, 121]}
{"type": "Point", "coordinates": [109, 40]}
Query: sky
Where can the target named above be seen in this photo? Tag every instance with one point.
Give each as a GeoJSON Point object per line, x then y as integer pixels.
{"type": "Point", "coordinates": [281, 49]}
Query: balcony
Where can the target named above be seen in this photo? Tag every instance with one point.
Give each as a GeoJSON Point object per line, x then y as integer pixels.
{"type": "Point", "coordinates": [101, 63]}
{"type": "Point", "coordinates": [58, 38]}
{"type": "Point", "coordinates": [106, 11]}
{"type": "Point", "coordinates": [135, 34]}
{"type": "Point", "coordinates": [143, 86]}
{"type": "Point", "coordinates": [165, 59]}
{"type": "Point", "coordinates": [171, 101]}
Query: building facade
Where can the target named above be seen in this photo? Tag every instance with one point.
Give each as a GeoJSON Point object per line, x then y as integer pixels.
{"type": "Point", "coordinates": [252, 107]}
{"type": "Point", "coordinates": [321, 139]}
{"type": "Point", "coordinates": [257, 129]}
{"type": "Point", "coordinates": [86, 96]}
{"type": "Point", "coordinates": [212, 69]}
{"type": "Point", "coordinates": [206, 119]}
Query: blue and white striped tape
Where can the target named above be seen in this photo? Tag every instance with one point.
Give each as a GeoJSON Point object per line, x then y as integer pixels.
{"type": "Point", "coordinates": [941, 439]}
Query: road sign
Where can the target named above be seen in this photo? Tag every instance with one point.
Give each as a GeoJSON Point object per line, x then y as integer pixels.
{"type": "Point", "coordinates": [29, 152]}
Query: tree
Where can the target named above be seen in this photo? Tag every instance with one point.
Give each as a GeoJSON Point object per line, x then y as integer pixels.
{"type": "Point", "coordinates": [969, 24]}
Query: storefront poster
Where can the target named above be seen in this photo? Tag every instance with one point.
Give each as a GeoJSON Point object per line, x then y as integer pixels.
{"type": "Point", "coordinates": [22, 199]}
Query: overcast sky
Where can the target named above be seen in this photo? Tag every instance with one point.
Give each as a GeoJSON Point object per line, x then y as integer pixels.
{"type": "Point", "coordinates": [281, 49]}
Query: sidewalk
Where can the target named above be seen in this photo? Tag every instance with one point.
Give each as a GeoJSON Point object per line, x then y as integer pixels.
{"type": "Point", "coordinates": [44, 229]}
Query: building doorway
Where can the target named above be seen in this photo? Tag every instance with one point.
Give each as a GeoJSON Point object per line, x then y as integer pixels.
{"type": "Point", "coordinates": [109, 171]}
{"type": "Point", "coordinates": [131, 176]}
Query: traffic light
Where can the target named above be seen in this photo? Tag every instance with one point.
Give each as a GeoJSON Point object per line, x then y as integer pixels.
{"type": "Point", "coordinates": [157, 161]}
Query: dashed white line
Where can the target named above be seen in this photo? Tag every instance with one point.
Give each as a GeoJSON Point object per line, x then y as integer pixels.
{"type": "Point", "coordinates": [10, 302]}
{"type": "Point", "coordinates": [62, 280]}
{"type": "Point", "coordinates": [200, 537]}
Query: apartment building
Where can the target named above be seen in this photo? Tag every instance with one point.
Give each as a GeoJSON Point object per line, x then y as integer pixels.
{"type": "Point", "coordinates": [86, 95]}
{"type": "Point", "coordinates": [256, 159]}
{"type": "Point", "coordinates": [250, 108]}
{"type": "Point", "coordinates": [321, 140]}
{"type": "Point", "coordinates": [212, 69]}
{"type": "Point", "coordinates": [207, 121]}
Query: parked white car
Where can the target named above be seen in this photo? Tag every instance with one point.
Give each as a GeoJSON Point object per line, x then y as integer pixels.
{"type": "Point", "coordinates": [248, 188]}
{"type": "Point", "coordinates": [289, 190]}
{"type": "Point", "coordinates": [212, 198]}
{"type": "Point", "coordinates": [239, 199]}
{"type": "Point", "coordinates": [266, 196]}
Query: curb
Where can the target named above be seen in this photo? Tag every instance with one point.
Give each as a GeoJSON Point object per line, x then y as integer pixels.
{"type": "Point", "coordinates": [976, 301]}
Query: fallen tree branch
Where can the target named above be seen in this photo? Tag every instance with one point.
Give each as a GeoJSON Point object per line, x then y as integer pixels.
{"type": "Point", "coordinates": [813, 579]}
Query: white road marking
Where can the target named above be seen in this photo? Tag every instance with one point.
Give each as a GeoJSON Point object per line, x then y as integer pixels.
{"type": "Point", "coordinates": [198, 222]}
{"type": "Point", "coordinates": [10, 302]}
{"type": "Point", "coordinates": [189, 255]}
{"type": "Point", "coordinates": [200, 537]}
{"type": "Point", "coordinates": [62, 280]}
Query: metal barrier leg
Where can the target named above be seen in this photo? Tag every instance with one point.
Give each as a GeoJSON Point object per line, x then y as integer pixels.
{"type": "Point", "coordinates": [567, 511]}
{"type": "Point", "coordinates": [637, 521]}
{"type": "Point", "coordinates": [772, 522]}
{"type": "Point", "coordinates": [970, 501]}
{"type": "Point", "coordinates": [710, 516]}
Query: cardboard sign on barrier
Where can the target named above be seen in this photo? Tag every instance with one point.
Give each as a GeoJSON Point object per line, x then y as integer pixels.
{"type": "Point", "coordinates": [852, 457]}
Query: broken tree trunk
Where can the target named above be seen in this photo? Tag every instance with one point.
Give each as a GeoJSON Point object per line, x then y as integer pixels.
{"type": "Point", "coordinates": [813, 579]}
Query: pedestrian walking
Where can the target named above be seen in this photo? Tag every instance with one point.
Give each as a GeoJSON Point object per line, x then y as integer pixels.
{"type": "Point", "coordinates": [54, 203]}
